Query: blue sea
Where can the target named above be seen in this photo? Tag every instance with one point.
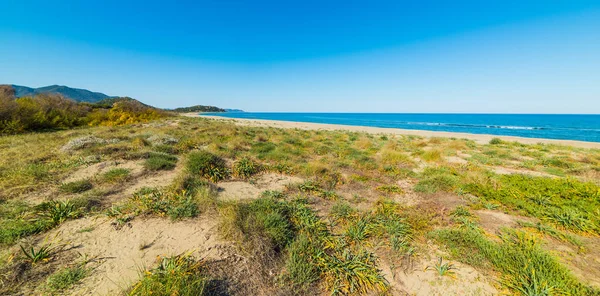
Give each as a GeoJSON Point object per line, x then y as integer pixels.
{"type": "Point", "coordinates": [563, 127]}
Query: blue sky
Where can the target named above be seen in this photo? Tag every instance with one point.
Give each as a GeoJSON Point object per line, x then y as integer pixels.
{"type": "Point", "coordinates": [314, 56]}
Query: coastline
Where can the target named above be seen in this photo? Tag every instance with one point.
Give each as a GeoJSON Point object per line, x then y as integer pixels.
{"type": "Point", "coordinates": [479, 138]}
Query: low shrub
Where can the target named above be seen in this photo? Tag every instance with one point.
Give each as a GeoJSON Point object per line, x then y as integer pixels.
{"type": "Point", "coordinates": [246, 168]}
{"type": "Point", "coordinates": [207, 165]}
{"type": "Point", "coordinates": [496, 141]}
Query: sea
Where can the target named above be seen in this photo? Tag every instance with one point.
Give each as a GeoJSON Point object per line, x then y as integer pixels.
{"type": "Point", "coordinates": [546, 126]}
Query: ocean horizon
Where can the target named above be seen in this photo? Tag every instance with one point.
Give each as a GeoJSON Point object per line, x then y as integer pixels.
{"type": "Point", "coordinates": [579, 127]}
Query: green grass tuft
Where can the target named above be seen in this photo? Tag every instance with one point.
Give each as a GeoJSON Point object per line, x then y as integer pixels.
{"type": "Point", "coordinates": [66, 278]}
{"type": "Point", "coordinates": [160, 161]}
{"type": "Point", "coordinates": [115, 175]}
{"type": "Point", "coordinates": [182, 275]}
{"type": "Point", "coordinates": [76, 186]}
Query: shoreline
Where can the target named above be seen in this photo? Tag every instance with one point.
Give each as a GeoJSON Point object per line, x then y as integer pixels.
{"type": "Point", "coordinates": [479, 138]}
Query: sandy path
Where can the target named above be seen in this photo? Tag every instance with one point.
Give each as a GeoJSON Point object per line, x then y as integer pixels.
{"type": "Point", "coordinates": [123, 253]}
{"type": "Point", "coordinates": [479, 138]}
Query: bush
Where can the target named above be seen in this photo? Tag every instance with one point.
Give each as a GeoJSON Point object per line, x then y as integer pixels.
{"type": "Point", "coordinates": [160, 161]}
{"type": "Point", "coordinates": [246, 168]}
{"type": "Point", "coordinates": [496, 141]}
{"type": "Point", "coordinates": [207, 165]}
{"type": "Point", "coordinates": [76, 186]}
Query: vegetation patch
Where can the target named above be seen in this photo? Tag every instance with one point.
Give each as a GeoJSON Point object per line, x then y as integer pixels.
{"type": "Point", "coordinates": [207, 165]}
{"type": "Point", "coordinates": [566, 203]}
{"type": "Point", "coordinates": [437, 179]}
{"type": "Point", "coordinates": [312, 254]}
{"type": "Point", "coordinates": [527, 269]}
{"type": "Point", "coordinates": [76, 186]}
{"type": "Point", "coordinates": [66, 278]}
{"type": "Point", "coordinates": [115, 175]}
{"type": "Point", "coordinates": [181, 274]}
{"type": "Point", "coordinates": [160, 161]}
{"type": "Point", "coordinates": [246, 168]}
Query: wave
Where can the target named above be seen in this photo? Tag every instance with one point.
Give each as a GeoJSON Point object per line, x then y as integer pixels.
{"type": "Point", "coordinates": [513, 127]}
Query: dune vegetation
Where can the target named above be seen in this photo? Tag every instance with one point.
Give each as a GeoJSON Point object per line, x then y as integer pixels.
{"type": "Point", "coordinates": [141, 204]}
{"type": "Point", "coordinates": [43, 112]}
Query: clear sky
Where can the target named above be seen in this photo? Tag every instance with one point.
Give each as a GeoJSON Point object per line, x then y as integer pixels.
{"type": "Point", "coordinates": [313, 56]}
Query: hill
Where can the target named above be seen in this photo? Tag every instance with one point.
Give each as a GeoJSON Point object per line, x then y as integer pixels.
{"type": "Point", "coordinates": [76, 94]}
{"type": "Point", "coordinates": [199, 108]}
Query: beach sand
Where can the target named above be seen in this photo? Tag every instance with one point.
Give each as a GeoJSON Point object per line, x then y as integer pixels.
{"type": "Point", "coordinates": [479, 138]}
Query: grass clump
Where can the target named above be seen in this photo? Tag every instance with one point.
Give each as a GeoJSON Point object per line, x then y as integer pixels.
{"type": "Point", "coordinates": [432, 155]}
{"type": "Point", "coordinates": [178, 275]}
{"type": "Point", "coordinates": [527, 269]}
{"type": "Point", "coordinates": [207, 165]}
{"type": "Point", "coordinates": [390, 189]}
{"type": "Point", "coordinates": [246, 168]}
{"type": "Point", "coordinates": [437, 179]}
{"type": "Point", "coordinates": [58, 211]}
{"type": "Point", "coordinates": [76, 186]}
{"type": "Point", "coordinates": [291, 230]}
{"type": "Point", "coordinates": [443, 269]}
{"type": "Point", "coordinates": [66, 278]}
{"type": "Point", "coordinates": [41, 254]}
{"type": "Point", "coordinates": [496, 141]}
{"type": "Point", "coordinates": [160, 161]}
{"type": "Point", "coordinates": [115, 175]}
{"type": "Point", "coordinates": [172, 203]}
{"type": "Point", "coordinates": [17, 220]}
{"type": "Point", "coordinates": [342, 211]}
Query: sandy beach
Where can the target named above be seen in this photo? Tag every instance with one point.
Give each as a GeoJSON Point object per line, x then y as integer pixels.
{"type": "Point", "coordinates": [479, 138]}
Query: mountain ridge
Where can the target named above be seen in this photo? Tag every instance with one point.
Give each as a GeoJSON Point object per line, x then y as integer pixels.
{"type": "Point", "coordinates": [76, 94]}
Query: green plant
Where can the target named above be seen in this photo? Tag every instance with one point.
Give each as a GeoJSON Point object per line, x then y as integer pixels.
{"type": "Point", "coordinates": [246, 168]}
{"type": "Point", "coordinates": [175, 204]}
{"type": "Point", "coordinates": [496, 141]}
{"type": "Point", "coordinates": [66, 278]}
{"type": "Point", "coordinates": [59, 211]}
{"type": "Point", "coordinates": [309, 186]}
{"type": "Point", "coordinates": [207, 165]}
{"type": "Point", "coordinates": [115, 175]}
{"type": "Point", "coordinates": [390, 189]}
{"type": "Point", "coordinates": [180, 274]}
{"type": "Point", "coordinates": [42, 254]}
{"type": "Point", "coordinates": [461, 211]}
{"type": "Point", "coordinates": [348, 273]}
{"type": "Point", "coordinates": [342, 211]}
{"type": "Point", "coordinates": [490, 206]}
{"type": "Point", "coordinates": [329, 195]}
{"type": "Point", "coordinates": [524, 264]}
{"type": "Point", "coordinates": [570, 219]}
{"type": "Point", "coordinates": [76, 186]}
{"type": "Point", "coordinates": [160, 161]}
{"type": "Point", "coordinates": [272, 194]}
{"type": "Point", "coordinates": [360, 230]}
{"type": "Point", "coordinates": [442, 268]}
